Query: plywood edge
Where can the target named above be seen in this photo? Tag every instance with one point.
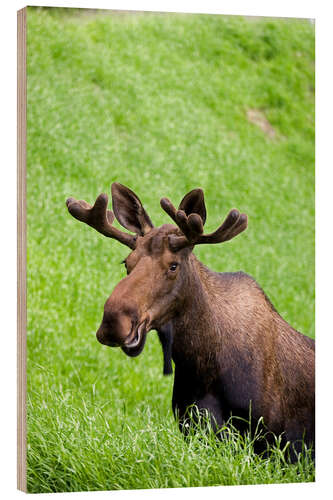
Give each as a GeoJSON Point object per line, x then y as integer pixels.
{"type": "Point", "coordinates": [21, 249]}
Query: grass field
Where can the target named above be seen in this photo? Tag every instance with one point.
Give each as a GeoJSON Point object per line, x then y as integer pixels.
{"type": "Point", "coordinates": [162, 104]}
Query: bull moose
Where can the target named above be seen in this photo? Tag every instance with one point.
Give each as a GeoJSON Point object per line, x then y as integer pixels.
{"type": "Point", "coordinates": [233, 352]}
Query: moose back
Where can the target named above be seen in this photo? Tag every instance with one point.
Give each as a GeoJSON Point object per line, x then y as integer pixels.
{"type": "Point", "coordinates": [233, 353]}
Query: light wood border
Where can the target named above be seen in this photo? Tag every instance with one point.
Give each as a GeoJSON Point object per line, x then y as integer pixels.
{"type": "Point", "coordinates": [21, 248]}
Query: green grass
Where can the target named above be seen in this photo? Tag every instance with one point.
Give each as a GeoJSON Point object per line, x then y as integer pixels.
{"type": "Point", "coordinates": [158, 103]}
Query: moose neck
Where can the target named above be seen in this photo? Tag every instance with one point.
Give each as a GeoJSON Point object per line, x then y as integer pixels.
{"type": "Point", "coordinates": [196, 327]}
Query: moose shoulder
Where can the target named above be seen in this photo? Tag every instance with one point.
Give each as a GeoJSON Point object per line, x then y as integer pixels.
{"type": "Point", "coordinates": [233, 353]}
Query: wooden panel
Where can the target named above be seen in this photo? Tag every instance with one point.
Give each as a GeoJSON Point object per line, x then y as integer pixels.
{"type": "Point", "coordinates": [21, 249]}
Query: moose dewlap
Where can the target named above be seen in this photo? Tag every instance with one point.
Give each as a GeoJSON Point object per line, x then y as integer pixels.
{"type": "Point", "coordinates": [234, 354]}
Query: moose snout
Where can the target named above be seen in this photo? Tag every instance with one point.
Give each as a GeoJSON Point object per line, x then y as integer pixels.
{"type": "Point", "coordinates": [116, 327]}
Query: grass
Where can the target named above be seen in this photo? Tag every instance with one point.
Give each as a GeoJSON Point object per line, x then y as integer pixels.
{"type": "Point", "coordinates": [158, 103]}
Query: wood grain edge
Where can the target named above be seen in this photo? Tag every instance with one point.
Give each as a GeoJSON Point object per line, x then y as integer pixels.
{"type": "Point", "coordinates": [21, 249]}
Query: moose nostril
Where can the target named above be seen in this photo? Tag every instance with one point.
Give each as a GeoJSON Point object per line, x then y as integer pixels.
{"type": "Point", "coordinates": [105, 339]}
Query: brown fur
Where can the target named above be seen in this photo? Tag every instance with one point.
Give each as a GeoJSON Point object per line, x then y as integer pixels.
{"type": "Point", "coordinates": [230, 315]}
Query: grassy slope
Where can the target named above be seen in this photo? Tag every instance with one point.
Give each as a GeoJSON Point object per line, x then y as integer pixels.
{"type": "Point", "coordinates": [158, 103]}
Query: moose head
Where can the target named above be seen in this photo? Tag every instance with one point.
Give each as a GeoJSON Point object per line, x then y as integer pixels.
{"type": "Point", "coordinates": [158, 265]}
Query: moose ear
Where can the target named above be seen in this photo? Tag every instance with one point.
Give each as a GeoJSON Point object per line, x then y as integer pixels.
{"type": "Point", "coordinates": [194, 203]}
{"type": "Point", "coordinates": [129, 211]}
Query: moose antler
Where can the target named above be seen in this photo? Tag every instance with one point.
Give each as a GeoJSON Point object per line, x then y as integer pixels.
{"type": "Point", "coordinates": [192, 224]}
{"type": "Point", "coordinates": [99, 218]}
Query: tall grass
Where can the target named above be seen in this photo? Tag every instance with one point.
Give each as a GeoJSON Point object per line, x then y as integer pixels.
{"type": "Point", "coordinates": [158, 103]}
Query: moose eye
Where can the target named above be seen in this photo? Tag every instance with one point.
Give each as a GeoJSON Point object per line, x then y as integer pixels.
{"type": "Point", "coordinates": [173, 266]}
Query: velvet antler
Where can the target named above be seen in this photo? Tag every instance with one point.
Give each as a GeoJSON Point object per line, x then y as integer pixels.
{"type": "Point", "coordinates": [99, 218]}
{"type": "Point", "coordinates": [191, 223]}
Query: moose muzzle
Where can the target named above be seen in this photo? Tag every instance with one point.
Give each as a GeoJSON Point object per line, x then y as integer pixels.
{"type": "Point", "coordinates": [122, 327]}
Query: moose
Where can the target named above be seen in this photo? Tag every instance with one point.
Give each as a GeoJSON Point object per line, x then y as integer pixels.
{"type": "Point", "coordinates": [234, 355]}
